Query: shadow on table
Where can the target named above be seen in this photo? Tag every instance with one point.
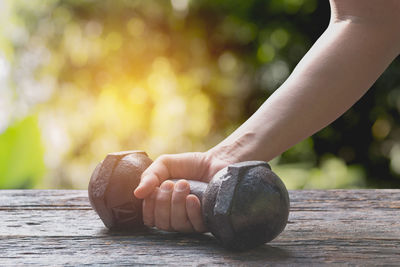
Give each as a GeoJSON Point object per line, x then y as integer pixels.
{"type": "Point", "coordinates": [203, 245]}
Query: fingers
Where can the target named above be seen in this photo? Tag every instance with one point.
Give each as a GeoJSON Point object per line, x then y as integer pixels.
{"type": "Point", "coordinates": [179, 218]}
{"type": "Point", "coordinates": [165, 205]}
{"type": "Point", "coordinates": [148, 209]}
{"type": "Point", "coordinates": [171, 208]}
{"type": "Point", "coordinates": [162, 207]}
{"type": "Point", "coordinates": [194, 213]}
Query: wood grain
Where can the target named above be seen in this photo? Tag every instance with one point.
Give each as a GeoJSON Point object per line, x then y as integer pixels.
{"type": "Point", "coordinates": [334, 227]}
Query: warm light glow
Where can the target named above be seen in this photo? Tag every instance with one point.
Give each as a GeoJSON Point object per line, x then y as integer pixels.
{"type": "Point", "coordinates": [80, 79]}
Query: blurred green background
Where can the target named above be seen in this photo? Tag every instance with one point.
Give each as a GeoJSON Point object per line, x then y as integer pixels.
{"type": "Point", "coordinates": [79, 79]}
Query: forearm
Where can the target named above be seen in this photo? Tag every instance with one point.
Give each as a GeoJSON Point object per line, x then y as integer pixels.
{"type": "Point", "coordinates": [340, 67]}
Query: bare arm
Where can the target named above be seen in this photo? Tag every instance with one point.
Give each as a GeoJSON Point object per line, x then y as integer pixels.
{"type": "Point", "coordinates": [361, 40]}
{"type": "Point", "coordinates": [342, 65]}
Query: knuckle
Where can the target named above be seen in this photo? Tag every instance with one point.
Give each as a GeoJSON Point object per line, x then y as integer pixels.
{"type": "Point", "coordinates": [184, 230]}
{"type": "Point", "coordinates": [163, 158]}
{"type": "Point", "coordinates": [147, 207]}
{"type": "Point", "coordinates": [148, 222]}
{"type": "Point", "coordinates": [147, 213]}
{"type": "Point", "coordinates": [199, 227]}
{"type": "Point", "coordinates": [163, 197]}
{"type": "Point", "coordinates": [161, 202]}
{"type": "Point", "coordinates": [162, 226]}
{"type": "Point", "coordinates": [178, 199]}
{"type": "Point", "coordinates": [182, 227]}
{"type": "Point", "coordinates": [148, 219]}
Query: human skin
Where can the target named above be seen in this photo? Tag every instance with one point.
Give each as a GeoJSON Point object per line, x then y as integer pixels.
{"type": "Point", "coordinates": [360, 42]}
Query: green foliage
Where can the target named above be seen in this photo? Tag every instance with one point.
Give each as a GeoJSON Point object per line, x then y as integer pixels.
{"type": "Point", "coordinates": [330, 174]}
{"type": "Point", "coordinates": [300, 168]}
{"type": "Point", "coordinates": [169, 77]}
{"type": "Point", "coordinates": [21, 155]}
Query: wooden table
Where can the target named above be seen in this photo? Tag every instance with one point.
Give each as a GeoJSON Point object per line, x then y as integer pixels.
{"type": "Point", "coordinates": [59, 228]}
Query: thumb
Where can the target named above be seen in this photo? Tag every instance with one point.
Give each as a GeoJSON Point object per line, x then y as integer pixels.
{"type": "Point", "coordinates": [192, 166]}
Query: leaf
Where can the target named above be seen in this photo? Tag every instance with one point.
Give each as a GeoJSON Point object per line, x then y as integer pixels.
{"type": "Point", "coordinates": [21, 155]}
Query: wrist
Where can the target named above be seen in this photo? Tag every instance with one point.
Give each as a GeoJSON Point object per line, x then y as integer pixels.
{"type": "Point", "coordinates": [235, 148]}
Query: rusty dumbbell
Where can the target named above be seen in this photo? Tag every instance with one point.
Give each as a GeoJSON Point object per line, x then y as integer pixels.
{"type": "Point", "coordinates": [244, 205]}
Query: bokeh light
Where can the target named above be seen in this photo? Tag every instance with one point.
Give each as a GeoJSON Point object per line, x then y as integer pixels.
{"type": "Point", "coordinates": [80, 79]}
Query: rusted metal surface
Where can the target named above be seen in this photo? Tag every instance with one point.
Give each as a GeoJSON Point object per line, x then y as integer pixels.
{"type": "Point", "coordinates": [245, 204]}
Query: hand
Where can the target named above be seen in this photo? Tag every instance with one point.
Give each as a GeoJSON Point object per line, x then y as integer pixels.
{"type": "Point", "coordinates": [168, 205]}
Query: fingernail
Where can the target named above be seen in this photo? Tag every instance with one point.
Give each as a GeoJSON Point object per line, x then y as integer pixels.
{"type": "Point", "coordinates": [167, 186]}
{"type": "Point", "coordinates": [139, 186]}
{"type": "Point", "coordinates": [136, 189]}
{"type": "Point", "coordinates": [181, 186]}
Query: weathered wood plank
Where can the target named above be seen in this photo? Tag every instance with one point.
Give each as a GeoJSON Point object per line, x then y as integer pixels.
{"type": "Point", "coordinates": [313, 199]}
{"type": "Point", "coordinates": [58, 227]}
{"type": "Point", "coordinates": [41, 199]}
{"type": "Point", "coordinates": [172, 249]}
{"type": "Point", "coordinates": [81, 222]}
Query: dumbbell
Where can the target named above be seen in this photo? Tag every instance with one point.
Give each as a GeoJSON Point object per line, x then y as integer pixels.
{"type": "Point", "coordinates": [244, 205]}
